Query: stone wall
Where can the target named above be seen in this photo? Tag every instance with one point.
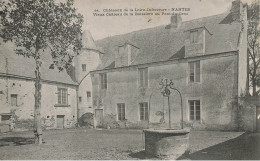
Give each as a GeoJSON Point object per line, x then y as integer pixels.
{"type": "Point", "coordinates": [217, 92]}
{"type": "Point", "coordinates": [247, 114]}
{"type": "Point", "coordinates": [91, 59]}
{"type": "Point", "coordinates": [23, 112]}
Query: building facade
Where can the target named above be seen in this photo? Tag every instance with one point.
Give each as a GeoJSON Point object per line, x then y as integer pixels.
{"type": "Point", "coordinates": [205, 58]}
{"type": "Point", "coordinates": [86, 61]}
{"type": "Point", "coordinates": [66, 96]}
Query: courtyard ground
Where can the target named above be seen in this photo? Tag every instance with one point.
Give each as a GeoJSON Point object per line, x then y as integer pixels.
{"type": "Point", "coordinates": [89, 144]}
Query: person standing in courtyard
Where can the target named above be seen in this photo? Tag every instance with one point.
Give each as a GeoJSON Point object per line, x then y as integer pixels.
{"type": "Point", "coordinates": [11, 123]}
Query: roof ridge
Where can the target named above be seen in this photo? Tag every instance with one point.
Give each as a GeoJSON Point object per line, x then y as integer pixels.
{"type": "Point", "coordinates": [208, 16]}
{"type": "Point", "coordinates": [129, 32]}
{"type": "Point", "coordinates": [224, 13]}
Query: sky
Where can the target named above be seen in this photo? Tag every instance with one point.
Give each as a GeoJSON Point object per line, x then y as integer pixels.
{"type": "Point", "coordinates": [104, 26]}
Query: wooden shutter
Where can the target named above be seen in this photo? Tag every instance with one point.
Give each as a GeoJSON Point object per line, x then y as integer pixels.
{"type": "Point", "coordinates": [197, 71]}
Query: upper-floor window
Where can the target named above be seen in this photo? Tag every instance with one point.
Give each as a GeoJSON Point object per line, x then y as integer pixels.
{"type": "Point", "coordinates": [194, 109]}
{"type": "Point", "coordinates": [14, 99]}
{"type": "Point", "coordinates": [103, 80]}
{"type": "Point", "coordinates": [80, 99]}
{"type": "Point", "coordinates": [88, 94]}
{"type": "Point", "coordinates": [143, 111]}
{"type": "Point", "coordinates": [62, 96]}
{"type": "Point", "coordinates": [194, 71]}
{"type": "Point", "coordinates": [194, 36]}
{"type": "Point", "coordinates": [84, 67]}
{"type": "Point", "coordinates": [143, 77]}
{"type": "Point", "coordinates": [121, 111]}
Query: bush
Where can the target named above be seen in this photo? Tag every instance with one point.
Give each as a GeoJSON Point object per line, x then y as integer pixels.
{"type": "Point", "coordinates": [86, 120]}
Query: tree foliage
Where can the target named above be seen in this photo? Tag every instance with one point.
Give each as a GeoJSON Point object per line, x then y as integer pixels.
{"type": "Point", "coordinates": [253, 46]}
{"type": "Point", "coordinates": [40, 27]}
{"type": "Point", "coordinates": [37, 25]}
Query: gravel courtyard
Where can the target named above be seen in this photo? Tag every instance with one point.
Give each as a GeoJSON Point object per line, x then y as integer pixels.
{"type": "Point", "coordinates": [89, 144]}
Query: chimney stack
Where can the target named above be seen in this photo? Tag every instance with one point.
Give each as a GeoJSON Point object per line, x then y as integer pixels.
{"type": "Point", "coordinates": [236, 10]}
{"type": "Point", "coordinates": [176, 21]}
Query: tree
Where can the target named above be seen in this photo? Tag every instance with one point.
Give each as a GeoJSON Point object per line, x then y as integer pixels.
{"type": "Point", "coordinates": [253, 45]}
{"type": "Point", "coordinates": [40, 27]}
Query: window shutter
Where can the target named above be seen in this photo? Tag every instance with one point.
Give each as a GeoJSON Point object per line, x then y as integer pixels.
{"type": "Point", "coordinates": [146, 111]}
{"type": "Point", "coordinates": [141, 77]}
{"type": "Point", "coordinates": [105, 81]}
{"type": "Point", "coordinates": [146, 77]}
{"type": "Point", "coordinates": [59, 96]}
{"type": "Point", "coordinates": [191, 110]}
{"type": "Point", "coordinates": [197, 110]}
{"type": "Point", "coordinates": [192, 74]}
{"type": "Point", "coordinates": [197, 75]}
{"type": "Point", "coordinates": [123, 111]}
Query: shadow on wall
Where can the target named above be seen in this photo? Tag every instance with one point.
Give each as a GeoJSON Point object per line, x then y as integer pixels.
{"type": "Point", "coordinates": [244, 147]}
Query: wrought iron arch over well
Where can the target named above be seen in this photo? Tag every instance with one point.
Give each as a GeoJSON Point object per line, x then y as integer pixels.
{"type": "Point", "coordinates": [166, 85]}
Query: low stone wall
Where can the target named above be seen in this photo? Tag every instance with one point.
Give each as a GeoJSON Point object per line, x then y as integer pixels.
{"type": "Point", "coordinates": [247, 114]}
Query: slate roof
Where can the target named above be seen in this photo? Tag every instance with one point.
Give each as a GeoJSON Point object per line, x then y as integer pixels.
{"type": "Point", "coordinates": [24, 67]}
{"type": "Point", "coordinates": [160, 44]}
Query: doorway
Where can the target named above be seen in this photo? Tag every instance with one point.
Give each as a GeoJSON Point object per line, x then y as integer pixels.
{"type": "Point", "coordinates": [99, 117]}
{"type": "Point", "coordinates": [60, 121]}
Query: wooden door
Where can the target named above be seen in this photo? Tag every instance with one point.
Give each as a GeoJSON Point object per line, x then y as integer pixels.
{"type": "Point", "coordinates": [99, 117]}
{"type": "Point", "coordinates": [60, 121]}
{"type": "Point", "coordinates": [258, 119]}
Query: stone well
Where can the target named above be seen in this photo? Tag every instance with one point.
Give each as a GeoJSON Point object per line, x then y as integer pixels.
{"type": "Point", "coordinates": [166, 143]}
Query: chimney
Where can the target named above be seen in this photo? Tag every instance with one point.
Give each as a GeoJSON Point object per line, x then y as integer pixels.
{"type": "Point", "coordinates": [176, 21]}
{"type": "Point", "coordinates": [236, 10]}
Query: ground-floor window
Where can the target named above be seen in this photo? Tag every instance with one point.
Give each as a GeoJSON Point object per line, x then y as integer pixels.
{"type": "Point", "coordinates": [143, 111]}
{"type": "Point", "coordinates": [5, 117]}
{"type": "Point", "coordinates": [121, 111]}
{"type": "Point", "coordinates": [194, 109]}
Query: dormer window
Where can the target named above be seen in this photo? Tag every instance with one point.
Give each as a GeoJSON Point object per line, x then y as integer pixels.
{"type": "Point", "coordinates": [126, 53]}
{"type": "Point", "coordinates": [194, 36]}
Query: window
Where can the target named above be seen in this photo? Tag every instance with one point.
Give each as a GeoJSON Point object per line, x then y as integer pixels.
{"type": "Point", "coordinates": [83, 67]}
{"type": "Point", "coordinates": [88, 94]}
{"type": "Point", "coordinates": [194, 71]}
{"type": "Point", "coordinates": [194, 36]}
{"type": "Point", "coordinates": [103, 78]}
{"type": "Point", "coordinates": [143, 111]}
{"type": "Point", "coordinates": [143, 77]}
{"type": "Point", "coordinates": [14, 99]}
{"type": "Point", "coordinates": [62, 96]}
{"type": "Point", "coordinates": [5, 117]}
{"type": "Point", "coordinates": [80, 99]}
{"type": "Point", "coordinates": [121, 111]}
{"type": "Point", "coordinates": [194, 109]}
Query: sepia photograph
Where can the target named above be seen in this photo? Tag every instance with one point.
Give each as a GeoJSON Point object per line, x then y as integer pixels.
{"type": "Point", "coordinates": [130, 79]}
